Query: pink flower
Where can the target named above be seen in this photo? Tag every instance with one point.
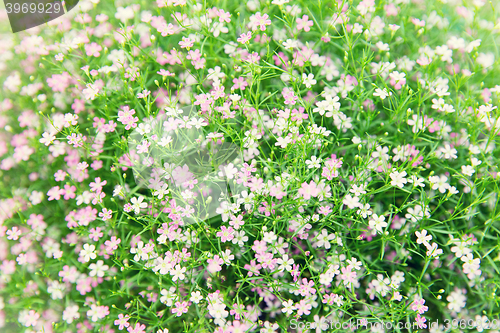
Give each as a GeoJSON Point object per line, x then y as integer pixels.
{"type": "Point", "coordinates": [105, 214]}
{"type": "Point", "coordinates": [139, 328]}
{"type": "Point", "coordinates": [304, 23]}
{"type": "Point", "coordinates": [59, 82]}
{"type": "Point", "coordinates": [60, 175]}
{"type": "Point", "coordinates": [309, 190]}
{"type": "Point", "coordinates": [68, 192]}
{"type": "Point", "coordinates": [224, 16]}
{"type": "Point", "coordinates": [166, 29]}
{"type": "Point", "coordinates": [261, 21]}
{"type": "Point", "coordinates": [418, 305]}
{"type": "Point", "coordinates": [55, 193]}
{"type": "Point", "coordinates": [185, 43]}
{"type": "Point", "coordinates": [244, 38]}
{"type": "Point", "coordinates": [122, 321]}
{"type": "Point", "coordinates": [253, 268]}
{"type": "Point", "coordinates": [76, 140]}
{"type": "Point", "coordinates": [112, 244]}
{"type": "Point", "coordinates": [31, 318]}
{"type": "Point", "coordinates": [421, 321]}
{"type": "Point", "coordinates": [180, 308]}
{"type": "Point", "coordinates": [69, 274]}
{"type": "Point", "coordinates": [303, 308]}
{"type": "Point", "coordinates": [14, 233]}
{"type": "Point", "coordinates": [239, 83]}
{"type": "Point", "coordinates": [215, 264]}
{"type": "Point", "coordinates": [125, 116]}
{"type": "Point", "coordinates": [226, 234]}
{"type": "Point", "coordinates": [289, 96]}
{"type": "Point", "coordinates": [194, 55]}
{"type": "Point", "coordinates": [93, 49]}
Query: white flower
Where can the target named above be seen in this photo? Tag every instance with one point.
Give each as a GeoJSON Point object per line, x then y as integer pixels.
{"type": "Point", "coordinates": [285, 263]}
{"type": "Point", "coordinates": [290, 44]}
{"type": "Point", "coordinates": [308, 80]}
{"type": "Point", "coordinates": [124, 14]}
{"type": "Point", "coordinates": [457, 301]}
{"type": "Point", "coordinates": [382, 46]}
{"type": "Point", "coordinates": [323, 239]}
{"type": "Point", "coordinates": [394, 27]}
{"type": "Point", "coordinates": [163, 266]}
{"type": "Point", "coordinates": [474, 150]}
{"type": "Point", "coordinates": [416, 181]}
{"type": "Point", "coordinates": [357, 190]}
{"type": "Point", "coordinates": [47, 139]}
{"type": "Point", "coordinates": [228, 170]}
{"type": "Point", "coordinates": [472, 45]}
{"type": "Point", "coordinates": [447, 152]}
{"type": "Point", "coordinates": [137, 204]}
{"type": "Point", "coordinates": [269, 237]}
{"type": "Point", "coordinates": [423, 238]}
{"type": "Point", "coordinates": [382, 93]}
{"type": "Point", "coordinates": [433, 251]}
{"type": "Point", "coordinates": [240, 238]}
{"type": "Point", "coordinates": [417, 122]}
{"type": "Point", "coordinates": [460, 249]}
{"type": "Point", "coordinates": [283, 142]}
{"type": "Point", "coordinates": [439, 183]}
{"type": "Point", "coordinates": [71, 313]}
{"type": "Point", "coordinates": [288, 307]}
{"type": "Point", "coordinates": [314, 162]}
{"type": "Point", "coordinates": [445, 53]}
{"type": "Point", "coordinates": [178, 273]}
{"type": "Point", "coordinates": [482, 323]}
{"type": "Point", "coordinates": [398, 178]}
{"type": "Point", "coordinates": [417, 213]}
{"type": "Point", "coordinates": [485, 60]}
{"type": "Point", "coordinates": [56, 290]}
{"type": "Point", "coordinates": [196, 297]}
{"type": "Point", "coordinates": [168, 296]}
{"type": "Point", "coordinates": [364, 210]}
{"type": "Point", "coordinates": [269, 327]}
{"type": "Point", "coordinates": [452, 190]}
{"type": "Point", "coordinates": [36, 197]}
{"type": "Point", "coordinates": [91, 91]}
{"type": "Point", "coordinates": [165, 141]}
{"type": "Point", "coordinates": [88, 252]}
{"type": "Point", "coordinates": [357, 29]}
{"type": "Point", "coordinates": [351, 202]}
{"type": "Point", "coordinates": [437, 104]}
{"type": "Point", "coordinates": [377, 222]}
{"type": "Point", "coordinates": [139, 251]}
{"type": "Point", "coordinates": [143, 129]}
{"type": "Point", "coordinates": [468, 170]}
{"type": "Point", "coordinates": [475, 162]}
{"type": "Point", "coordinates": [280, 2]}
{"type": "Point", "coordinates": [98, 269]}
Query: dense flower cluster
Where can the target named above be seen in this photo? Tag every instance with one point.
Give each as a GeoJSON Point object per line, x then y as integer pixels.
{"type": "Point", "coordinates": [363, 184]}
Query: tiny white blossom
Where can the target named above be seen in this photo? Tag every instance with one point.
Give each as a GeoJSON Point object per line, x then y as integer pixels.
{"type": "Point", "coordinates": [137, 204]}
{"type": "Point", "coordinates": [308, 80]}
{"type": "Point", "coordinates": [377, 222]}
{"type": "Point", "coordinates": [98, 268]}
{"type": "Point", "coordinates": [88, 252]}
{"type": "Point", "coordinates": [382, 93]}
{"type": "Point", "coordinates": [468, 170]}
{"type": "Point", "coordinates": [423, 238]}
{"type": "Point", "coordinates": [398, 178]}
{"type": "Point", "coordinates": [196, 297]}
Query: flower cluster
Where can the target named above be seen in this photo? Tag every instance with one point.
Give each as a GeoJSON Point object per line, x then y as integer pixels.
{"type": "Point", "coordinates": [223, 166]}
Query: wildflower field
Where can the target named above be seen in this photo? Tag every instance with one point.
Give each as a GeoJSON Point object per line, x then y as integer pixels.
{"type": "Point", "coordinates": [251, 166]}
